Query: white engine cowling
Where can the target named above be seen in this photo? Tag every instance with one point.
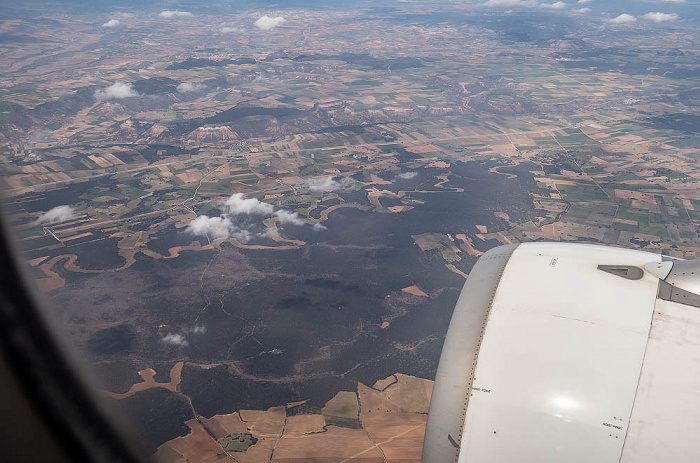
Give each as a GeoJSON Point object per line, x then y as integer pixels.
{"type": "Point", "coordinates": [570, 353]}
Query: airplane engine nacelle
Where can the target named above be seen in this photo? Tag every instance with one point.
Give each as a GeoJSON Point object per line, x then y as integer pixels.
{"type": "Point", "coordinates": [570, 353]}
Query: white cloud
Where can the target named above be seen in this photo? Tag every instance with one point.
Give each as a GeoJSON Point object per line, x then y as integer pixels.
{"type": "Point", "coordinates": [174, 14]}
{"type": "Point", "coordinates": [230, 29]}
{"type": "Point", "coordinates": [57, 214]}
{"type": "Point", "coordinates": [660, 17]}
{"type": "Point", "coordinates": [190, 87]}
{"type": "Point", "coordinates": [555, 5]}
{"type": "Point", "coordinates": [509, 3]}
{"type": "Point", "coordinates": [319, 227]}
{"type": "Point", "coordinates": [175, 340]}
{"type": "Point", "coordinates": [239, 204]}
{"type": "Point", "coordinates": [581, 10]}
{"type": "Point", "coordinates": [584, 1]}
{"type": "Point", "coordinates": [408, 175]}
{"type": "Point", "coordinates": [291, 218]}
{"type": "Point", "coordinates": [216, 227]}
{"type": "Point", "coordinates": [266, 23]}
{"type": "Point", "coordinates": [116, 91]}
{"type": "Point", "coordinates": [624, 18]}
{"type": "Point", "coordinates": [226, 226]}
{"type": "Point", "coordinates": [112, 23]}
{"type": "Point", "coordinates": [673, 1]}
{"type": "Point", "coordinates": [242, 235]}
{"type": "Point", "coordinates": [329, 184]}
{"type": "Point", "coordinates": [321, 184]}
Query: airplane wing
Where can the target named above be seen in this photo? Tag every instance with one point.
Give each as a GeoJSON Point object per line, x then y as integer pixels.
{"type": "Point", "coordinates": [570, 352]}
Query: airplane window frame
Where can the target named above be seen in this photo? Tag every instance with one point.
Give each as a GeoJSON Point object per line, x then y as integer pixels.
{"type": "Point", "coordinates": [48, 375]}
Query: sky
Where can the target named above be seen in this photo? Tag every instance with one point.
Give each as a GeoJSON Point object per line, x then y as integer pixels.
{"type": "Point", "coordinates": [684, 8]}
